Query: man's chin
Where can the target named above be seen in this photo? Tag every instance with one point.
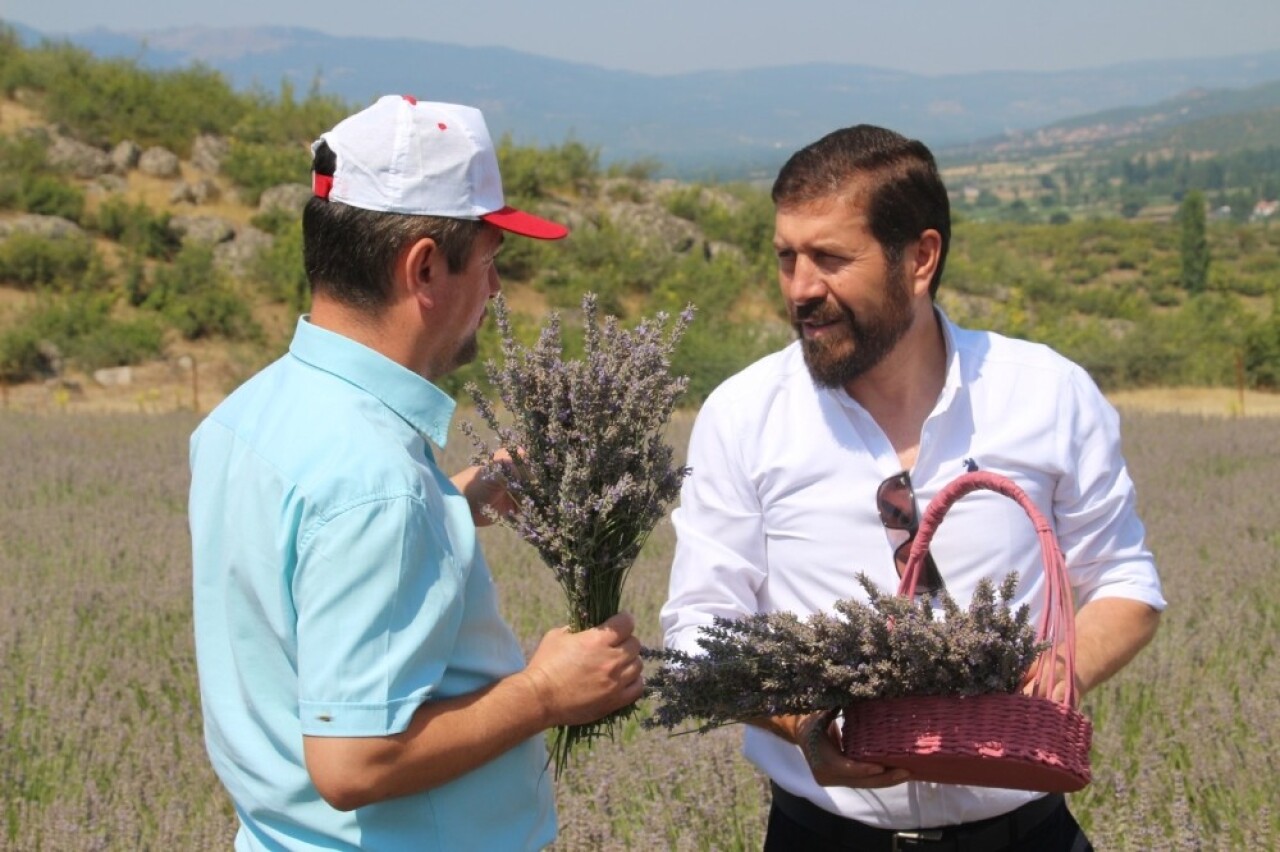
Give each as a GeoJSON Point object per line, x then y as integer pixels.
{"type": "Point", "coordinates": [828, 369]}
{"type": "Point", "coordinates": [467, 352]}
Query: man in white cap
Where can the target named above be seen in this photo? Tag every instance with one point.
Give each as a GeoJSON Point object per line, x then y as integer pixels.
{"type": "Point", "coordinates": [359, 688]}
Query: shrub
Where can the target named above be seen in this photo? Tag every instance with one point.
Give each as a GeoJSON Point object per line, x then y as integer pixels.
{"type": "Point", "coordinates": [524, 260]}
{"type": "Point", "coordinates": [746, 222]}
{"type": "Point", "coordinates": [193, 296]}
{"type": "Point", "coordinates": [256, 167]}
{"type": "Point", "coordinates": [533, 172]}
{"type": "Point", "coordinates": [280, 270]}
{"type": "Point", "coordinates": [137, 227]}
{"type": "Point", "coordinates": [30, 260]}
{"type": "Point", "coordinates": [51, 196]}
{"type": "Point", "coordinates": [285, 120]}
{"type": "Point", "coordinates": [606, 260]}
{"type": "Point", "coordinates": [20, 356]}
{"type": "Point", "coordinates": [27, 182]}
{"type": "Point", "coordinates": [114, 343]}
{"type": "Point", "coordinates": [80, 325]}
{"type": "Point", "coordinates": [1262, 353]}
{"type": "Point", "coordinates": [275, 221]}
{"type": "Point", "coordinates": [643, 169]}
{"type": "Point", "coordinates": [106, 100]}
{"type": "Point", "coordinates": [685, 203]}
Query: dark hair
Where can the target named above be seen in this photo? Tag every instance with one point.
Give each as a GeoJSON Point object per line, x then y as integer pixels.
{"type": "Point", "coordinates": [349, 252]}
{"type": "Point", "coordinates": [894, 178]}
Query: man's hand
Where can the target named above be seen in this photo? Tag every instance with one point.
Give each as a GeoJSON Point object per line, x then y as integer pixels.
{"type": "Point", "coordinates": [1109, 633]}
{"type": "Point", "coordinates": [1050, 681]}
{"type": "Point", "coordinates": [818, 737]}
{"type": "Point", "coordinates": [573, 678]}
{"type": "Point", "coordinates": [582, 677]}
{"type": "Point", "coordinates": [486, 489]}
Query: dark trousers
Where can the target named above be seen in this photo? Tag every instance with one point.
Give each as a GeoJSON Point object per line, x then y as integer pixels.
{"type": "Point", "coordinates": [1059, 832]}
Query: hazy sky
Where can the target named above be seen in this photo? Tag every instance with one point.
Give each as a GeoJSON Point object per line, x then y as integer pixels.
{"type": "Point", "coordinates": [666, 36]}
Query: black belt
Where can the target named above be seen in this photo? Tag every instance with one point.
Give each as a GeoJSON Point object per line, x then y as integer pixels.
{"type": "Point", "coordinates": [985, 835]}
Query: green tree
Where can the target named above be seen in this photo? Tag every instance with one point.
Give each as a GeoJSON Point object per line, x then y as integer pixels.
{"type": "Point", "coordinates": [1261, 349]}
{"type": "Point", "coordinates": [1193, 243]}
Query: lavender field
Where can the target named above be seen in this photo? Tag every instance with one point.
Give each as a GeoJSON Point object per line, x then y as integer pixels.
{"type": "Point", "coordinates": [100, 742]}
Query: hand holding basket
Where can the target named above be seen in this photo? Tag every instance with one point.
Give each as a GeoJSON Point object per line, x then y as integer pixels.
{"type": "Point", "coordinates": [997, 740]}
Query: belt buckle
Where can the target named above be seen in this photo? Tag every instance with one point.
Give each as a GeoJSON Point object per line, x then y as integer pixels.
{"type": "Point", "coordinates": [914, 839]}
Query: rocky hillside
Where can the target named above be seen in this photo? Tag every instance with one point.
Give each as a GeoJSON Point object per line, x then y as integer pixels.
{"type": "Point", "coordinates": [625, 226]}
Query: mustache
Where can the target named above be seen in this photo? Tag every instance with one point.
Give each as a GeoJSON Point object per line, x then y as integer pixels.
{"type": "Point", "coordinates": [819, 311]}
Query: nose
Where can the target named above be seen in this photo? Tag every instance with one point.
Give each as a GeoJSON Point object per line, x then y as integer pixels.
{"type": "Point", "coordinates": [803, 281]}
{"type": "Point", "coordinates": [495, 281]}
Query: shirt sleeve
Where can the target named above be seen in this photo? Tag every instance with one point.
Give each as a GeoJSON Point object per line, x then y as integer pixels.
{"type": "Point", "coordinates": [379, 596]}
{"type": "Point", "coordinates": [1095, 503]}
{"type": "Point", "coordinates": [720, 559]}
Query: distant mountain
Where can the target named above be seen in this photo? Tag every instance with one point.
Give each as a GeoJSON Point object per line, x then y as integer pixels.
{"type": "Point", "coordinates": [1218, 121]}
{"type": "Point", "coordinates": [715, 123]}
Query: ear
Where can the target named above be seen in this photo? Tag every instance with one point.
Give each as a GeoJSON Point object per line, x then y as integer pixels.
{"type": "Point", "coordinates": [923, 257]}
{"type": "Point", "coordinates": [415, 274]}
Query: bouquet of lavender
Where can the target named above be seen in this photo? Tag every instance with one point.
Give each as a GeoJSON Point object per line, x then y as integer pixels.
{"type": "Point", "coordinates": [770, 664]}
{"type": "Point", "coordinates": [592, 472]}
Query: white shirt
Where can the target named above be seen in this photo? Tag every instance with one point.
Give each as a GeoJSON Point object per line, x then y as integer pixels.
{"type": "Point", "coordinates": [779, 514]}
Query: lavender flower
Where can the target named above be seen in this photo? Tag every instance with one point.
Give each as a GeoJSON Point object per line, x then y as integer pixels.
{"type": "Point", "coordinates": [592, 471]}
{"type": "Point", "coordinates": [768, 664]}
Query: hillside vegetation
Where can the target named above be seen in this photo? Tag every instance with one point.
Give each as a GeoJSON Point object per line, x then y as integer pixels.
{"type": "Point", "coordinates": [1136, 162]}
{"type": "Point", "coordinates": [152, 218]}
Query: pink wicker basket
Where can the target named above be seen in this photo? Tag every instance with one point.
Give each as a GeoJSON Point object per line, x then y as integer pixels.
{"type": "Point", "coordinates": [1015, 741]}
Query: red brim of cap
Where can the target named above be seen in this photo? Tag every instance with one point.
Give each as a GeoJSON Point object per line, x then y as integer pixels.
{"type": "Point", "coordinates": [525, 224]}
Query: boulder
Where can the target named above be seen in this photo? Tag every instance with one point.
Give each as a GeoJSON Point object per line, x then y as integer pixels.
{"type": "Point", "coordinates": [125, 156]}
{"type": "Point", "coordinates": [108, 184]}
{"type": "Point", "coordinates": [195, 192]}
{"type": "Point", "coordinates": [81, 160]}
{"type": "Point", "coordinates": [210, 230]}
{"type": "Point", "coordinates": [288, 197]}
{"type": "Point", "coordinates": [236, 257]}
{"type": "Point", "coordinates": [51, 227]}
{"type": "Point", "coordinates": [159, 162]}
{"type": "Point", "coordinates": [114, 377]}
{"type": "Point", "coordinates": [653, 224]}
{"type": "Point", "coordinates": [50, 358]}
{"type": "Point", "coordinates": [208, 151]}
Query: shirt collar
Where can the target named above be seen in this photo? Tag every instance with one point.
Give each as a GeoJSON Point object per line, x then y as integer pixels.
{"type": "Point", "coordinates": [421, 404]}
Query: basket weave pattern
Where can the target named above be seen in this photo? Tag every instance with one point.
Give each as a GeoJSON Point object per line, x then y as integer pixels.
{"type": "Point", "coordinates": [998, 740]}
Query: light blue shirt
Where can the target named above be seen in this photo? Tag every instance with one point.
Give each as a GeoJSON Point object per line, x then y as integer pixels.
{"type": "Point", "coordinates": [339, 586]}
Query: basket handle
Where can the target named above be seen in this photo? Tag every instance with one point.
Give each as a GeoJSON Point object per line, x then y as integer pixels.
{"type": "Point", "coordinates": [1057, 618]}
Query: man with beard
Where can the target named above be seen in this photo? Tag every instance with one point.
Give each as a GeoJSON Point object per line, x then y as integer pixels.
{"type": "Point", "coordinates": [359, 688]}
{"type": "Point", "coordinates": [813, 464]}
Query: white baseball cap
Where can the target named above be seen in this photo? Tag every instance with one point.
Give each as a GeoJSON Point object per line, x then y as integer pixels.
{"type": "Point", "coordinates": [403, 155]}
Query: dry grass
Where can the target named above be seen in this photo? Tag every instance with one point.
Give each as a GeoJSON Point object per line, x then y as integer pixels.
{"type": "Point", "coordinates": [1206, 402]}
{"type": "Point", "coordinates": [16, 116]}
{"type": "Point", "coordinates": [166, 386]}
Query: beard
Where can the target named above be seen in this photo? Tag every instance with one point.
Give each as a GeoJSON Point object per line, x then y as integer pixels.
{"type": "Point", "coordinates": [859, 343]}
{"type": "Point", "coordinates": [466, 352]}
